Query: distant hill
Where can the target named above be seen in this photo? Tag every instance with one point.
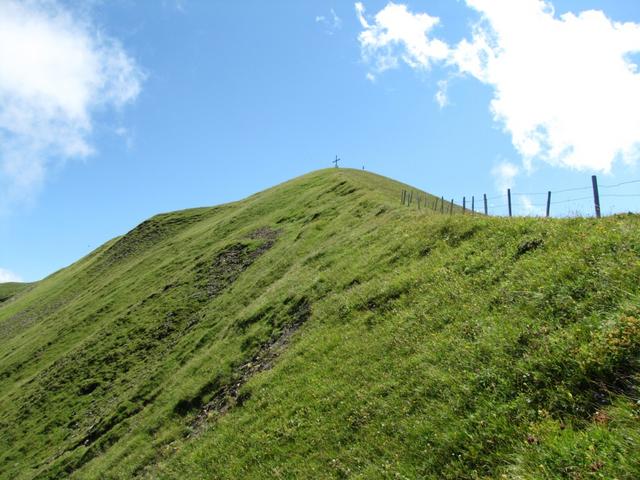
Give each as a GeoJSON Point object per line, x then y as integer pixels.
{"type": "Point", "coordinates": [320, 329]}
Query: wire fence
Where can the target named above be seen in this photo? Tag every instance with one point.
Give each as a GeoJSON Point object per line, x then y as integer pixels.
{"type": "Point", "coordinates": [589, 198]}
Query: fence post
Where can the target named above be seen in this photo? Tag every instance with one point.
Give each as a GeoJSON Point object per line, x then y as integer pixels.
{"type": "Point", "coordinates": [451, 207]}
{"type": "Point", "coordinates": [410, 197]}
{"type": "Point", "coordinates": [596, 195]}
{"type": "Point", "coordinates": [435, 206]}
{"type": "Point", "coordinates": [464, 205]}
{"type": "Point", "coordinates": [509, 199]}
{"type": "Point", "coordinates": [548, 203]}
{"type": "Point", "coordinates": [402, 197]}
{"type": "Point", "coordinates": [473, 205]}
{"type": "Point", "coordinates": [441, 204]}
{"type": "Point", "coordinates": [486, 210]}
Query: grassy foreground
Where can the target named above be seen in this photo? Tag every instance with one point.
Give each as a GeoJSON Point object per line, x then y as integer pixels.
{"type": "Point", "coordinates": [321, 330]}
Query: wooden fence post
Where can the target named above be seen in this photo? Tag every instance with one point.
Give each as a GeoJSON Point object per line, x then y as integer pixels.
{"type": "Point", "coordinates": [441, 204]}
{"type": "Point", "coordinates": [435, 208]}
{"type": "Point", "coordinates": [464, 205]}
{"type": "Point", "coordinates": [451, 207]}
{"type": "Point", "coordinates": [596, 195]}
{"type": "Point", "coordinates": [509, 199]}
{"type": "Point", "coordinates": [548, 203]}
{"type": "Point", "coordinates": [473, 205]}
{"type": "Point", "coordinates": [486, 210]}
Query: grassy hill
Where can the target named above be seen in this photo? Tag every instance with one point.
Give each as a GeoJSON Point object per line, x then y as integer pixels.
{"type": "Point", "coordinates": [11, 289]}
{"type": "Point", "coordinates": [319, 329]}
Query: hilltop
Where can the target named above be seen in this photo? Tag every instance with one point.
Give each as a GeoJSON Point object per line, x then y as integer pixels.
{"type": "Point", "coordinates": [320, 329]}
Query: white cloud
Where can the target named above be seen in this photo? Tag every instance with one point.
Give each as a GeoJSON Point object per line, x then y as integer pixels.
{"type": "Point", "coordinates": [565, 87]}
{"type": "Point", "coordinates": [56, 71]}
{"type": "Point", "coordinates": [7, 276]}
{"type": "Point", "coordinates": [504, 175]}
{"type": "Point", "coordinates": [397, 34]}
{"type": "Point", "coordinates": [332, 24]}
{"type": "Point", "coordinates": [441, 96]}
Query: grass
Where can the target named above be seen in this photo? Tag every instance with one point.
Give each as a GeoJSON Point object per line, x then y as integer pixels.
{"type": "Point", "coordinates": [11, 289]}
{"type": "Point", "coordinates": [321, 330]}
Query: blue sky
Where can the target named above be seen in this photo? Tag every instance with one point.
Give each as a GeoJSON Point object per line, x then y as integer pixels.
{"type": "Point", "coordinates": [113, 112]}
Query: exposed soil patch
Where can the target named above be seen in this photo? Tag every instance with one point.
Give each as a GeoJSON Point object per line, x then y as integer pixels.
{"type": "Point", "coordinates": [228, 264]}
{"type": "Point", "coordinates": [229, 395]}
{"type": "Point", "coordinates": [265, 233]}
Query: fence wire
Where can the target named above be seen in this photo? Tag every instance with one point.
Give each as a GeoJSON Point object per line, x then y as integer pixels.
{"type": "Point", "coordinates": [507, 208]}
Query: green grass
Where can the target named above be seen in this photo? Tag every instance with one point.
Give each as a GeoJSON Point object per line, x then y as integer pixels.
{"type": "Point", "coordinates": [321, 330]}
{"type": "Point", "coordinates": [11, 289]}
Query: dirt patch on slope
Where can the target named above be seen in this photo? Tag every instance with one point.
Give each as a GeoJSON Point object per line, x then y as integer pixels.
{"type": "Point", "coordinates": [265, 233]}
{"type": "Point", "coordinates": [229, 395]}
{"type": "Point", "coordinates": [229, 263]}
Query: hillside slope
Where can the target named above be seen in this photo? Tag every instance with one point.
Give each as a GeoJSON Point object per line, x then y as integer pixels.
{"type": "Point", "coordinates": [319, 329]}
{"type": "Point", "coordinates": [11, 289]}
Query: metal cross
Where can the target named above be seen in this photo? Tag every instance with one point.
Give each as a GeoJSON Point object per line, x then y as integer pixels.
{"type": "Point", "coordinates": [335, 162]}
